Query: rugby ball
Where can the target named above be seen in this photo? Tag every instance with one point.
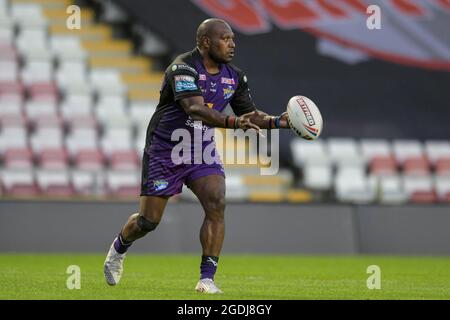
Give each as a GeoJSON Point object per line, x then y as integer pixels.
{"type": "Point", "coordinates": [304, 117]}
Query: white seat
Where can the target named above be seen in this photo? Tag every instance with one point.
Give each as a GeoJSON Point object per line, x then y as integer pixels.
{"type": "Point", "coordinates": [352, 185]}
{"type": "Point", "coordinates": [81, 139]}
{"type": "Point", "coordinates": [35, 108]}
{"type": "Point", "coordinates": [83, 181]}
{"type": "Point", "coordinates": [107, 81]}
{"type": "Point", "coordinates": [118, 179]}
{"type": "Point", "coordinates": [47, 178]}
{"type": "Point", "coordinates": [67, 49]}
{"type": "Point", "coordinates": [309, 152]}
{"type": "Point", "coordinates": [10, 107]}
{"type": "Point", "coordinates": [111, 107]}
{"type": "Point", "coordinates": [6, 32]}
{"type": "Point", "coordinates": [436, 149]}
{"type": "Point", "coordinates": [28, 15]}
{"type": "Point", "coordinates": [117, 139]}
{"type": "Point", "coordinates": [344, 151]}
{"type": "Point", "coordinates": [12, 177]}
{"type": "Point", "coordinates": [318, 177]}
{"type": "Point", "coordinates": [13, 138]}
{"type": "Point", "coordinates": [390, 189]}
{"type": "Point", "coordinates": [9, 71]}
{"type": "Point", "coordinates": [76, 105]}
{"type": "Point", "coordinates": [37, 71]}
{"type": "Point", "coordinates": [413, 184]}
{"type": "Point", "coordinates": [142, 111]}
{"type": "Point", "coordinates": [371, 148]}
{"type": "Point", "coordinates": [404, 149]}
{"type": "Point", "coordinates": [47, 138]}
{"type": "Point", "coordinates": [442, 186]}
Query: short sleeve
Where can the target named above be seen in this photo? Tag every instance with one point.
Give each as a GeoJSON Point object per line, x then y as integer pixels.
{"type": "Point", "coordinates": [242, 101]}
{"type": "Point", "coordinates": [183, 79]}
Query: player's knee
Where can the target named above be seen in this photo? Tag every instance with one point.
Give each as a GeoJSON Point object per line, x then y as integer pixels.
{"type": "Point", "coordinates": [215, 204]}
{"type": "Point", "coordinates": [146, 225]}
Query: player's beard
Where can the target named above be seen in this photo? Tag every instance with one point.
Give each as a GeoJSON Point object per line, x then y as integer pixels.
{"type": "Point", "coordinates": [217, 58]}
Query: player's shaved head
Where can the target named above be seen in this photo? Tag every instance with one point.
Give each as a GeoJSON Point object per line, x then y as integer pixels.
{"type": "Point", "coordinates": [209, 28]}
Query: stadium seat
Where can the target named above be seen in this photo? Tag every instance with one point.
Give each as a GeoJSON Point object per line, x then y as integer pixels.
{"type": "Point", "coordinates": [84, 139]}
{"type": "Point", "coordinates": [54, 183]}
{"type": "Point", "coordinates": [53, 159]}
{"type": "Point", "coordinates": [13, 138]}
{"type": "Point", "coordinates": [84, 182]}
{"type": "Point", "coordinates": [141, 112]}
{"type": "Point", "coordinates": [382, 165]}
{"type": "Point", "coordinates": [405, 149]}
{"type": "Point", "coordinates": [106, 81]}
{"type": "Point", "coordinates": [318, 177]}
{"type": "Point", "coordinates": [18, 158]}
{"type": "Point", "coordinates": [10, 71]}
{"type": "Point", "coordinates": [67, 48]}
{"type": "Point", "coordinates": [390, 190]}
{"type": "Point", "coordinates": [309, 152]}
{"type": "Point", "coordinates": [123, 184]}
{"type": "Point", "coordinates": [117, 139]}
{"type": "Point", "coordinates": [19, 183]}
{"type": "Point", "coordinates": [442, 166]}
{"type": "Point", "coordinates": [416, 166]}
{"type": "Point", "coordinates": [124, 160]}
{"type": "Point", "coordinates": [37, 108]}
{"type": "Point", "coordinates": [35, 72]}
{"type": "Point", "coordinates": [374, 148]}
{"type": "Point", "coordinates": [28, 15]}
{"type": "Point", "coordinates": [437, 149]}
{"type": "Point", "coordinates": [88, 160]}
{"type": "Point", "coordinates": [46, 138]}
{"type": "Point", "coordinates": [43, 91]}
{"type": "Point", "coordinates": [344, 152]}
{"type": "Point", "coordinates": [442, 186]}
{"type": "Point", "coordinates": [352, 185]}
{"type": "Point", "coordinates": [419, 189]}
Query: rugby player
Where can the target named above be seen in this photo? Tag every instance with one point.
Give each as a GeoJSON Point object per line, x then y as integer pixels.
{"type": "Point", "coordinates": [197, 86]}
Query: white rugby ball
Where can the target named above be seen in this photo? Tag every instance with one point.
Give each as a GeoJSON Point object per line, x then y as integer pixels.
{"type": "Point", "coordinates": [304, 117]}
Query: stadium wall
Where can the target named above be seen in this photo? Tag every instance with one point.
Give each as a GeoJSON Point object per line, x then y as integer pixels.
{"type": "Point", "coordinates": [44, 226]}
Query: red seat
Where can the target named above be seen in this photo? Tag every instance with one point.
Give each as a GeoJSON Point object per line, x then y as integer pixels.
{"type": "Point", "coordinates": [384, 165]}
{"type": "Point", "coordinates": [23, 190]}
{"type": "Point", "coordinates": [423, 197]}
{"type": "Point", "coordinates": [59, 190]}
{"type": "Point", "coordinates": [43, 90]}
{"type": "Point", "coordinates": [124, 160]}
{"type": "Point", "coordinates": [442, 166]}
{"type": "Point", "coordinates": [53, 158]}
{"type": "Point", "coordinates": [18, 158]}
{"type": "Point", "coordinates": [89, 159]}
{"type": "Point", "coordinates": [416, 166]}
{"type": "Point", "coordinates": [127, 192]}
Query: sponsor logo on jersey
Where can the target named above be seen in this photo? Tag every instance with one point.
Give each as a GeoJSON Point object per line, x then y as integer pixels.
{"type": "Point", "coordinates": [184, 67]}
{"type": "Point", "coordinates": [185, 83]}
{"type": "Point", "coordinates": [227, 81]}
{"type": "Point", "coordinates": [160, 184]}
{"type": "Point", "coordinates": [228, 92]}
{"type": "Point", "coordinates": [202, 77]}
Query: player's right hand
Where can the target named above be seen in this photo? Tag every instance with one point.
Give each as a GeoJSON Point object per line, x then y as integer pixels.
{"type": "Point", "coordinates": [245, 123]}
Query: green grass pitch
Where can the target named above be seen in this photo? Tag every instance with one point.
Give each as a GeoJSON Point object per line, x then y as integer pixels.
{"type": "Point", "coordinates": [239, 276]}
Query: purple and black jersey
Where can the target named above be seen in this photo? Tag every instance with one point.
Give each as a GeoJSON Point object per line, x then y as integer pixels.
{"type": "Point", "coordinates": [187, 77]}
